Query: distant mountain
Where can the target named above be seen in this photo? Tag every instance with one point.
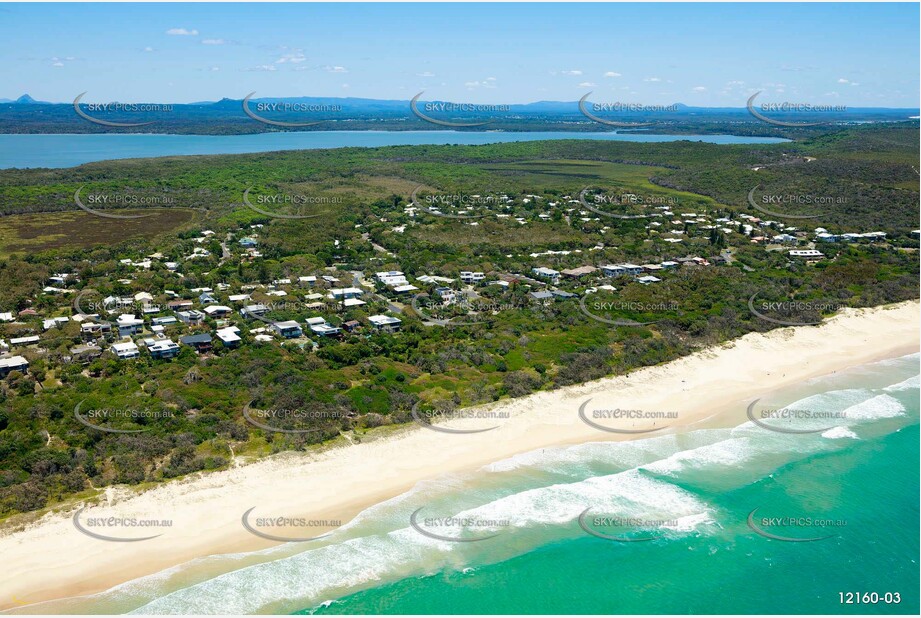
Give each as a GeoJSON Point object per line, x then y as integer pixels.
{"type": "Point", "coordinates": [26, 100]}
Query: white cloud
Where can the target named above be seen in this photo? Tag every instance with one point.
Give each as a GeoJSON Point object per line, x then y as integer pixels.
{"type": "Point", "coordinates": [337, 69]}
{"type": "Point", "coordinates": [843, 81]}
{"type": "Point", "coordinates": [574, 72]}
{"type": "Point", "coordinates": [699, 89]}
{"type": "Point", "coordinates": [212, 41]}
{"type": "Point", "coordinates": [264, 67]}
{"type": "Point", "coordinates": [652, 79]}
{"type": "Point", "coordinates": [215, 68]}
{"type": "Point", "coordinates": [612, 74]}
{"type": "Point", "coordinates": [854, 84]}
{"type": "Point", "coordinates": [181, 32]}
{"type": "Point", "coordinates": [57, 64]}
{"type": "Point", "coordinates": [587, 85]}
{"type": "Point", "coordinates": [425, 74]}
{"type": "Point", "coordinates": [294, 58]}
{"type": "Point", "coordinates": [148, 49]}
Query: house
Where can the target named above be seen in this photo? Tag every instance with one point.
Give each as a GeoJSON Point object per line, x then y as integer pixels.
{"type": "Point", "coordinates": [85, 354]}
{"type": "Point", "coordinates": [126, 350]}
{"type": "Point", "coordinates": [344, 293]}
{"type": "Point", "coordinates": [647, 279]}
{"type": "Point", "coordinates": [652, 268]}
{"type": "Point", "coordinates": [576, 273]}
{"type": "Point", "coordinates": [392, 278]}
{"type": "Point", "coordinates": [129, 325]}
{"type": "Point", "coordinates": [54, 323]}
{"type": "Point", "coordinates": [251, 311]}
{"type": "Point", "coordinates": [229, 336]}
{"type": "Point", "coordinates": [351, 326]}
{"type": "Point", "coordinates": [321, 327]}
{"type": "Point", "coordinates": [201, 342]}
{"type": "Point", "coordinates": [11, 364]}
{"type": "Point", "coordinates": [206, 297]}
{"type": "Point", "coordinates": [167, 320]}
{"type": "Point", "coordinates": [191, 317]}
{"type": "Point", "coordinates": [547, 273]}
{"type": "Point", "coordinates": [613, 270]}
{"type": "Point", "coordinates": [826, 237]}
{"type": "Point", "coordinates": [668, 264]}
{"type": "Point", "coordinates": [163, 348]}
{"type": "Point", "coordinates": [353, 302]}
{"type": "Point", "coordinates": [218, 311]}
{"type": "Point", "coordinates": [309, 280]}
{"type": "Point", "coordinates": [809, 254]}
{"type": "Point", "coordinates": [562, 294]}
{"type": "Point", "coordinates": [24, 340]}
{"type": "Point", "coordinates": [541, 296]}
{"type": "Point", "coordinates": [288, 329]}
{"type": "Point", "coordinates": [447, 295]}
{"type": "Point", "coordinates": [385, 323]}
{"type": "Point", "coordinates": [7, 317]}
{"type": "Point", "coordinates": [248, 243]}
{"type": "Point", "coordinates": [405, 289]}
{"type": "Point", "coordinates": [471, 277]}
{"type": "Point", "coordinates": [91, 330]}
{"type": "Point", "coordinates": [238, 298]}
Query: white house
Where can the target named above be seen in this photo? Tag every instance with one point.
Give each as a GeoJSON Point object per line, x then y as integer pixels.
{"type": "Point", "coordinates": [13, 363]}
{"type": "Point", "coordinates": [385, 323]}
{"type": "Point", "coordinates": [125, 350]}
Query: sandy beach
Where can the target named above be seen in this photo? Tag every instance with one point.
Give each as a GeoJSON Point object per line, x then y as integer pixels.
{"type": "Point", "coordinates": [51, 559]}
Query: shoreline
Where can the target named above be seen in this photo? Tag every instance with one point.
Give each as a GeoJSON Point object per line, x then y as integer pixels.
{"type": "Point", "coordinates": [54, 561]}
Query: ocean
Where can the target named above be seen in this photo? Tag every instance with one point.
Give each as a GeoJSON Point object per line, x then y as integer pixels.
{"type": "Point", "coordinates": [53, 150]}
{"type": "Point", "coordinates": [713, 520]}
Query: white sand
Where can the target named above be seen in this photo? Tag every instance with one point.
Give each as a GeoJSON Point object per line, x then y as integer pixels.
{"type": "Point", "coordinates": [51, 559]}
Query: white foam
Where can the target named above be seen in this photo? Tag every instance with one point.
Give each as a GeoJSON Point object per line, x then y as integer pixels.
{"type": "Point", "coordinates": [912, 383]}
{"type": "Point", "coordinates": [879, 407]}
{"type": "Point", "coordinates": [839, 432]}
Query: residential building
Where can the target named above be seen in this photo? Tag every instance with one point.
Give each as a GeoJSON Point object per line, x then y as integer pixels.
{"type": "Point", "coordinates": [385, 323]}
{"type": "Point", "coordinates": [289, 329]}
{"type": "Point", "coordinates": [125, 350]}
{"type": "Point", "coordinates": [11, 364]}
{"type": "Point", "coordinates": [229, 336]}
{"type": "Point", "coordinates": [129, 325]}
{"type": "Point", "coordinates": [163, 348]}
{"type": "Point", "coordinates": [201, 342]}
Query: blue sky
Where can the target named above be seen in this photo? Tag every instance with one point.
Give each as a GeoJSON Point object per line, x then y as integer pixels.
{"type": "Point", "coordinates": [704, 54]}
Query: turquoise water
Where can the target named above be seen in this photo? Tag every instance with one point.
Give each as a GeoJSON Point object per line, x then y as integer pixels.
{"type": "Point", "coordinates": [692, 493]}
{"type": "Point", "coordinates": [69, 150]}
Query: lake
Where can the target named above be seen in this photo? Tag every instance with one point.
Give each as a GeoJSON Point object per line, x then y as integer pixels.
{"type": "Point", "coordinates": [22, 151]}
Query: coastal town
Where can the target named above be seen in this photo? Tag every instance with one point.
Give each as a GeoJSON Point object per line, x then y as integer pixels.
{"type": "Point", "coordinates": [321, 308]}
